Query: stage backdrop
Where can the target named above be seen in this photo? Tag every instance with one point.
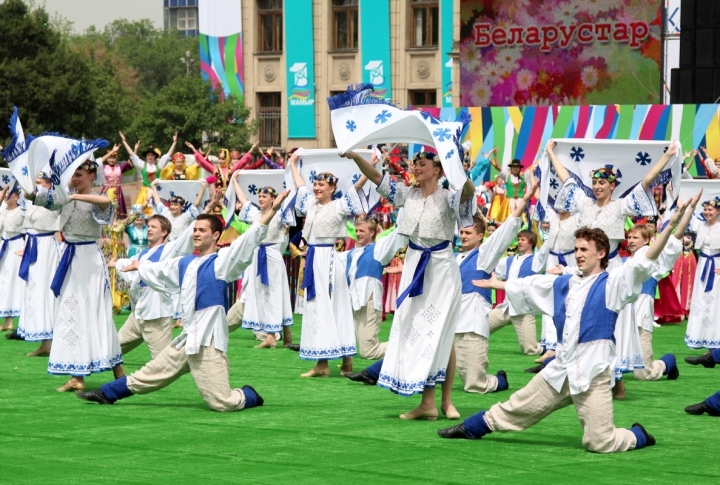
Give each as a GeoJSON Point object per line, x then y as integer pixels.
{"type": "Point", "coordinates": [560, 52]}
{"type": "Point", "coordinates": [521, 132]}
{"type": "Point", "coordinates": [221, 55]}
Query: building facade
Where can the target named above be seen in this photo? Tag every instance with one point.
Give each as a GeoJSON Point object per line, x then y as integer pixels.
{"type": "Point", "coordinates": [416, 58]}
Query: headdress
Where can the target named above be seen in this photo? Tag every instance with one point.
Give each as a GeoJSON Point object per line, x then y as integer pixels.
{"type": "Point", "coordinates": [89, 165]}
{"type": "Point", "coordinates": [178, 156]}
{"type": "Point", "coordinates": [515, 163]}
{"type": "Point", "coordinates": [45, 176]}
{"type": "Point", "coordinates": [607, 172]}
{"type": "Point", "coordinates": [428, 155]}
{"type": "Point", "coordinates": [327, 177]}
{"type": "Point", "coordinates": [176, 199]}
{"type": "Point", "coordinates": [153, 150]}
{"type": "Point", "coordinates": [138, 211]}
{"type": "Point", "coordinates": [269, 191]}
{"type": "Point", "coordinates": [714, 203]}
{"type": "Point", "coordinates": [234, 153]}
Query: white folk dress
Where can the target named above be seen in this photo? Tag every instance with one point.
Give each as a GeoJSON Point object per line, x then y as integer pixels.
{"type": "Point", "coordinates": [611, 219]}
{"type": "Point", "coordinates": [12, 288]}
{"type": "Point", "coordinates": [267, 306]}
{"type": "Point", "coordinates": [328, 331]}
{"type": "Point", "coordinates": [703, 328]}
{"type": "Point", "coordinates": [423, 328]}
{"type": "Point", "coordinates": [37, 315]}
{"type": "Point", "coordinates": [85, 339]}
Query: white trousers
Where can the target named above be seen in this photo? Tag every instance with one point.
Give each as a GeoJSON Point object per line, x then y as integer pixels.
{"type": "Point", "coordinates": [654, 369]}
{"type": "Point", "coordinates": [156, 333]}
{"type": "Point", "coordinates": [367, 322]}
{"type": "Point", "coordinates": [471, 351]}
{"type": "Point", "coordinates": [524, 328]}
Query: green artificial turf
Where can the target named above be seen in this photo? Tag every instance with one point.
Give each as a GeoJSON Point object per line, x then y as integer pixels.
{"type": "Point", "coordinates": [333, 431]}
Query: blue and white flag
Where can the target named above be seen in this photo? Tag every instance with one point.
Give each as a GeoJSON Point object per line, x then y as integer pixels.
{"type": "Point", "coordinates": [187, 189]}
{"type": "Point", "coordinates": [360, 119]}
{"type": "Point", "coordinates": [711, 191]}
{"type": "Point", "coordinates": [632, 159]}
{"type": "Point", "coordinates": [251, 181]}
{"type": "Point", "coordinates": [6, 178]}
{"type": "Point", "coordinates": [16, 154]}
{"type": "Point", "coordinates": [317, 161]}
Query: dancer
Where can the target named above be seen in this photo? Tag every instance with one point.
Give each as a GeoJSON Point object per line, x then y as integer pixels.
{"type": "Point", "coordinates": [420, 349]}
{"type": "Point", "coordinates": [201, 348]}
{"type": "Point", "coordinates": [113, 248]}
{"type": "Point", "coordinates": [609, 215]}
{"type": "Point", "coordinates": [113, 180]}
{"type": "Point", "coordinates": [179, 170]}
{"type": "Point", "coordinates": [703, 327]}
{"type": "Point", "coordinates": [266, 292]}
{"type": "Point", "coordinates": [177, 214]}
{"type": "Point", "coordinates": [586, 308]}
{"type": "Point", "coordinates": [40, 259]}
{"type": "Point", "coordinates": [522, 265]}
{"type": "Point", "coordinates": [150, 167]}
{"type": "Point", "coordinates": [152, 316]}
{"type": "Point", "coordinates": [85, 338]}
{"type": "Point", "coordinates": [477, 262]}
{"type": "Point", "coordinates": [137, 230]}
{"type": "Point", "coordinates": [683, 274]}
{"type": "Point", "coordinates": [639, 236]}
{"type": "Point", "coordinates": [327, 315]}
{"type": "Point", "coordinates": [12, 287]}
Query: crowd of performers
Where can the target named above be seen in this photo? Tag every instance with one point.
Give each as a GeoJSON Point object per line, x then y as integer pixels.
{"type": "Point", "coordinates": [454, 266]}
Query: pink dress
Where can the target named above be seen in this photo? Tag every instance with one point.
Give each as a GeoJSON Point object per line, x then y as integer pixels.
{"type": "Point", "coordinates": [113, 178]}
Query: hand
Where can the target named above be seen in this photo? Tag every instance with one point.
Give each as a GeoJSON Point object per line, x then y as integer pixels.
{"type": "Point", "coordinates": [557, 270]}
{"type": "Point", "coordinates": [73, 197]}
{"type": "Point", "coordinates": [235, 174]}
{"type": "Point", "coordinates": [137, 146]}
{"type": "Point", "coordinates": [175, 138]}
{"type": "Point", "coordinates": [189, 145]}
{"type": "Point", "coordinates": [20, 253]}
{"type": "Point", "coordinates": [672, 149]}
{"type": "Point", "coordinates": [270, 151]}
{"type": "Point", "coordinates": [529, 193]}
{"type": "Point", "coordinates": [131, 267]}
{"type": "Point", "coordinates": [551, 144]}
{"type": "Point", "coordinates": [155, 182]}
{"type": "Point", "coordinates": [681, 207]}
{"type": "Point", "coordinates": [694, 200]}
{"type": "Point", "coordinates": [486, 284]}
{"type": "Point", "coordinates": [111, 263]}
{"type": "Point", "coordinates": [122, 137]}
{"type": "Point", "coordinates": [279, 199]}
{"type": "Point", "coordinates": [255, 145]}
{"type": "Point", "coordinates": [116, 147]}
{"type": "Point", "coordinates": [294, 158]}
{"type": "Point", "coordinates": [203, 182]}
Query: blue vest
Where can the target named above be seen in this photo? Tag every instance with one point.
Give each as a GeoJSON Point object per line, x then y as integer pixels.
{"type": "Point", "coordinates": [367, 265]}
{"type": "Point", "coordinates": [210, 290]}
{"type": "Point", "coordinates": [525, 267]}
{"type": "Point", "coordinates": [154, 258]}
{"type": "Point", "coordinates": [649, 287]}
{"type": "Point", "coordinates": [597, 322]}
{"type": "Point", "coordinates": [469, 272]}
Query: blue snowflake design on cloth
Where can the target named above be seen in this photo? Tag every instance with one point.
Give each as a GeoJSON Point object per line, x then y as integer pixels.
{"type": "Point", "coordinates": [5, 179]}
{"type": "Point", "coordinates": [577, 154]}
{"type": "Point", "coordinates": [449, 154]}
{"type": "Point", "coordinates": [442, 134]}
{"type": "Point", "coordinates": [643, 158]}
{"type": "Point", "coordinates": [430, 118]}
{"type": "Point", "coordinates": [25, 170]}
{"type": "Point", "coordinates": [350, 125]}
{"type": "Point", "coordinates": [554, 184]}
{"type": "Point", "coordinates": [253, 189]}
{"type": "Point", "coordinates": [159, 187]}
{"type": "Point", "coordinates": [383, 117]}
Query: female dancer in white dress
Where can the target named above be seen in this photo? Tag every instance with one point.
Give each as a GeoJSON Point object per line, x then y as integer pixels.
{"type": "Point", "coordinates": [266, 291]}
{"type": "Point", "coordinates": [85, 339]}
{"type": "Point", "coordinates": [11, 286]}
{"type": "Point", "coordinates": [420, 350]}
{"type": "Point", "coordinates": [327, 323]}
{"type": "Point", "coordinates": [609, 215]}
{"type": "Point", "coordinates": [39, 261]}
{"type": "Point", "coordinates": [703, 327]}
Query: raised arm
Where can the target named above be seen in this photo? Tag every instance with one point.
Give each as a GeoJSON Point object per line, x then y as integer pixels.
{"type": "Point", "coordinates": [198, 200]}
{"type": "Point", "coordinates": [155, 194]}
{"type": "Point", "coordinates": [658, 167]}
{"type": "Point", "coordinates": [374, 160]}
{"type": "Point", "coordinates": [492, 157]}
{"type": "Point", "coordinates": [656, 248]}
{"type": "Point", "coordinates": [130, 151]}
{"type": "Point", "coordinates": [110, 152]}
{"type": "Point", "coordinates": [299, 182]}
{"type": "Point", "coordinates": [200, 159]}
{"type": "Point", "coordinates": [689, 212]}
{"type": "Point", "coordinates": [365, 167]}
{"type": "Point", "coordinates": [561, 171]}
{"type": "Point", "coordinates": [172, 147]}
{"type": "Point", "coordinates": [520, 209]}
{"type": "Point", "coordinates": [100, 201]}
{"type": "Point", "coordinates": [238, 190]}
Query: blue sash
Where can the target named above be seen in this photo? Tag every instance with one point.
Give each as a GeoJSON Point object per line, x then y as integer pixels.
{"type": "Point", "coordinates": [262, 269]}
{"type": "Point", "coordinates": [469, 272]}
{"type": "Point", "coordinates": [64, 265]}
{"type": "Point", "coordinates": [561, 256]}
{"type": "Point", "coordinates": [154, 258]}
{"type": "Point", "coordinates": [708, 274]}
{"type": "Point", "coordinates": [30, 254]}
{"type": "Point", "coordinates": [5, 244]}
{"type": "Point", "coordinates": [308, 282]}
{"type": "Point", "coordinates": [415, 287]}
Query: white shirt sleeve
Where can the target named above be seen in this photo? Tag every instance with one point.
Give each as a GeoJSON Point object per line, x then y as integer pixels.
{"type": "Point", "coordinates": [163, 276]}
{"type": "Point", "coordinates": [533, 295]}
{"type": "Point", "coordinates": [625, 283]}
{"type": "Point", "coordinates": [492, 250]}
{"type": "Point", "coordinates": [232, 261]}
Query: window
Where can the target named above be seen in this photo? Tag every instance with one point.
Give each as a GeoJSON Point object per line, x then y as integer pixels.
{"type": "Point", "coordinates": [270, 36]}
{"type": "Point", "coordinates": [426, 23]}
{"type": "Point", "coordinates": [421, 99]}
{"type": "Point", "coordinates": [270, 116]}
{"type": "Point", "coordinates": [187, 19]}
{"type": "Point", "coordinates": [345, 24]}
{"type": "Point", "coordinates": [184, 19]}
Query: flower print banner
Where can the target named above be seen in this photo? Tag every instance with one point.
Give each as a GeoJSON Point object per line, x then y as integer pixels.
{"type": "Point", "coordinates": [559, 52]}
{"type": "Point", "coordinates": [221, 55]}
{"type": "Point", "coordinates": [300, 60]}
{"type": "Point", "coordinates": [375, 45]}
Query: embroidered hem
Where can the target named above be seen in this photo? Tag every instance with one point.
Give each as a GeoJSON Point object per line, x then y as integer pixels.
{"type": "Point", "coordinates": [327, 354]}
{"type": "Point", "coordinates": [34, 336]}
{"type": "Point", "coordinates": [84, 368]}
{"type": "Point", "coordinates": [407, 389]}
{"type": "Point", "coordinates": [267, 327]}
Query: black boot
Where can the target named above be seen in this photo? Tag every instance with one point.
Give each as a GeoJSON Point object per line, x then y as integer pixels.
{"type": "Point", "coordinates": [648, 437]}
{"type": "Point", "coordinates": [295, 347]}
{"type": "Point", "coordinates": [94, 396]}
{"type": "Point", "coordinates": [701, 408]}
{"type": "Point", "coordinates": [13, 335]}
{"type": "Point", "coordinates": [456, 432]}
{"type": "Point", "coordinates": [705, 360]}
{"type": "Point", "coordinates": [362, 376]}
{"type": "Point", "coordinates": [536, 369]}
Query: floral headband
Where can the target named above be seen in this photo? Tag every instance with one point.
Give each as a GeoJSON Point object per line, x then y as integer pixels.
{"type": "Point", "coordinates": [44, 176]}
{"type": "Point", "coordinates": [607, 172]}
{"type": "Point", "coordinates": [428, 155]}
{"type": "Point", "coordinates": [178, 156]}
{"type": "Point", "coordinates": [327, 177]}
{"type": "Point", "coordinates": [89, 165]}
{"type": "Point", "coordinates": [714, 203]}
{"type": "Point", "coordinates": [176, 199]}
{"type": "Point", "coordinates": [268, 191]}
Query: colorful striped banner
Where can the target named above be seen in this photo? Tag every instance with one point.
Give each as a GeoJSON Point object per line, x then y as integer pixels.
{"type": "Point", "coordinates": [221, 54]}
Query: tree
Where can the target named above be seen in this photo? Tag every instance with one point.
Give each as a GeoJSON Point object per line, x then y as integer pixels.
{"type": "Point", "coordinates": [190, 106]}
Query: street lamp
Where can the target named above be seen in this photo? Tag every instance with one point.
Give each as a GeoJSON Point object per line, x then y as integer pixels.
{"type": "Point", "coordinates": [187, 60]}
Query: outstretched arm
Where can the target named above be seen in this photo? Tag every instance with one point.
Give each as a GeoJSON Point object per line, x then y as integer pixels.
{"type": "Point", "coordinates": [98, 200]}
{"type": "Point", "coordinates": [238, 190]}
{"type": "Point", "coordinates": [198, 200]}
{"type": "Point", "coordinates": [172, 147]}
{"type": "Point", "coordinates": [299, 182]}
{"type": "Point", "coordinates": [654, 251]}
{"type": "Point", "coordinates": [127, 147]}
{"type": "Point", "coordinates": [365, 167]}
{"type": "Point", "coordinates": [561, 171]}
{"type": "Point", "coordinates": [685, 221]}
{"type": "Point", "coordinates": [658, 167]}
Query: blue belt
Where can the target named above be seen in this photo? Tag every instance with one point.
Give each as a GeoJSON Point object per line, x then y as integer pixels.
{"type": "Point", "coordinates": [308, 282]}
{"type": "Point", "coordinates": [262, 268]}
{"type": "Point", "coordinates": [614, 253]}
{"type": "Point", "coordinates": [30, 254]}
{"type": "Point", "coordinates": [64, 265]}
{"type": "Point", "coordinates": [415, 287]}
{"type": "Point", "coordinates": [5, 244]}
{"type": "Point", "coordinates": [708, 274]}
{"type": "Point", "coordinates": [561, 256]}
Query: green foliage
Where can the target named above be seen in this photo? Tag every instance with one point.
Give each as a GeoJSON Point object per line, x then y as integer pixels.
{"type": "Point", "coordinates": [127, 77]}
